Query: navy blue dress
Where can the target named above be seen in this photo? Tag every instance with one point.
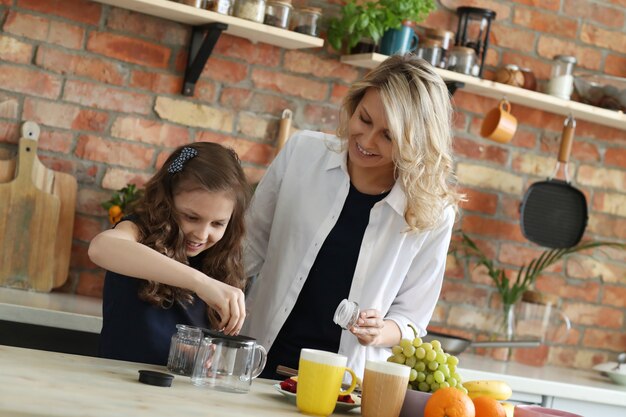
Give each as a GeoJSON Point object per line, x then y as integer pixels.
{"type": "Point", "coordinates": [137, 331]}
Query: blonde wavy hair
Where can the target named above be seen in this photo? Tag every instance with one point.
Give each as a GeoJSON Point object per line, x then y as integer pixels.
{"type": "Point", "coordinates": [419, 113]}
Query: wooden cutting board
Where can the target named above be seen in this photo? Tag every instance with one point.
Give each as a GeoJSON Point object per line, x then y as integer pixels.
{"type": "Point", "coordinates": [29, 219]}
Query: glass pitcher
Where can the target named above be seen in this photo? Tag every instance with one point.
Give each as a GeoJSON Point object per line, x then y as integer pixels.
{"type": "Point", "coordinates": [228, 363]}
{"type": "Point", "coordinates": [541, 318]}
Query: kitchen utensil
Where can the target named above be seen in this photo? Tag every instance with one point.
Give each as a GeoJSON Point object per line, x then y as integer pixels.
{"type": "Point", "coordinates": [553, 212]}
{"type": "Point", "coordinates": [621, 359]}
{"type": "Point", "coordinates": [62, 185]}
{"type": "Point", "coordinates": [227, 363]}
{"type": "Point", "coordinates": [284, 129]}
{"type": "Point", "coordinates": [538, 315]}
{"type": "Point", "coordinates": [601, 91]}
{"type": "Point", "coordinates": [28, 223]}
{"type": "Point", "coordinates": [455, 345]}
{"type": "Point", "coordinates": [499, 124]}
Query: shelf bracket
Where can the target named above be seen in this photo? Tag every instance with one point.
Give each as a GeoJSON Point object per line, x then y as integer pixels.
{"type": "Point", "coordinates": [203, 39]}
{"type": "Point", "coordinates": [453, 85]}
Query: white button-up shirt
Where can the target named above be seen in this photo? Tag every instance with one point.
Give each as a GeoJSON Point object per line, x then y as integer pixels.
{"type": "Point", "coordinates": [295, 206]}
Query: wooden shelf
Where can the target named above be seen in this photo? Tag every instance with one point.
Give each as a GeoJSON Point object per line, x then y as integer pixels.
{"type": "Point", "coordinates": [517, 95]}
{"type": "Point", "coordinates": [255, 32]}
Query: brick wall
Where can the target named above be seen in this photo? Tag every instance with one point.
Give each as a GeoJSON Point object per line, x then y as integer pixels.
{"type": "Point", "coordinates": [104, 85]}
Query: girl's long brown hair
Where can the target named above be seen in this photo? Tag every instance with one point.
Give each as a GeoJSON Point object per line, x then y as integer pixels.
{"type": "Point", "coordinates": [215, 168]}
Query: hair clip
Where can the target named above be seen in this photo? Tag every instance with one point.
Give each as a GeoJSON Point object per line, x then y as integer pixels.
{"type": "Point", "coordinates": [185, 155]}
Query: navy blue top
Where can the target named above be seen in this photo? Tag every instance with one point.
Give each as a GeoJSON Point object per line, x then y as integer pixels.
{"type": "Point", "coordinates": [310, 323]}
{"type": "Point", "coordinates": [137, 331]}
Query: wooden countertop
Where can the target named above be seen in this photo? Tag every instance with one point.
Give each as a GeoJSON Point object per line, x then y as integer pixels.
{"type": "Point", "coordinates": [42, 383]}
{"type": "Point", "coordinates": [63, 311]}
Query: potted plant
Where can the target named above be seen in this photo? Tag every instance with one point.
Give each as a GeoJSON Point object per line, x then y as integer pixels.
{"type": "Point", "coordinates": [511, 290]}
{"type": "Point", "coordinates": [358, 23]}
{"type": "Point", "coordinates": [122, 199]}
{"type": "Point", "coordinates": [399, 21]}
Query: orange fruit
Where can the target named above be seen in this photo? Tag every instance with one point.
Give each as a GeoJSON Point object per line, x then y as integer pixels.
{"type": "Point", "coordinates": [449, 402]}
{"type": "Point", "coordinates": [488, 407]}
{"type": "Point", "coordinates": [115, 211]}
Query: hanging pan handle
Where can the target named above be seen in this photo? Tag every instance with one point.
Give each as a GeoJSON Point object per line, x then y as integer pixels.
{"type": "Point", "coordinates": [569, 126]}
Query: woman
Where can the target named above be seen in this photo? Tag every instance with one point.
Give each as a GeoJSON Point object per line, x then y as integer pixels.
{"type": "Point", "coordinates": [366, 215]}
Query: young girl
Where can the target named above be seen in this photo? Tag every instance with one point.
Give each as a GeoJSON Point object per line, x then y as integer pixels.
{"type": "Point", "coordinates": [177, 258]}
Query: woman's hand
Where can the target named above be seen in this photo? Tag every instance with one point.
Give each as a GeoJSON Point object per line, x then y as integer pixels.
{"type": "Point", "coordinates": [228, 301]}
{"type": "Point", "coordinates": [369, 327]}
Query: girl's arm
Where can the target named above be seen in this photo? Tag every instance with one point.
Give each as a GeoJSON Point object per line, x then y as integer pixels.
{"type": "Point", "coordinates": [118, 250]}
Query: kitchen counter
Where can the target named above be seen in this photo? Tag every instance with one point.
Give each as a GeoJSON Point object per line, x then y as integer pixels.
{"type": "Point", "coordinates": [42, 383]}
{"type": "Point", "coordinates": [57, 310]}
{"type": "Point", "coordinates": [579, 391]}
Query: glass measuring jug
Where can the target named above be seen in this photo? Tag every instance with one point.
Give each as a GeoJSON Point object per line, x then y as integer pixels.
{"type": "Point", "coordinates": [539, 317]}
{"type": "Point", "coordinates": [228, 363]}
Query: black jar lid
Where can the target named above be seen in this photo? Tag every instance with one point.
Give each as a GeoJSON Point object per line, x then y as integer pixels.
{"type": "Point", "coordinates": [158, 379]}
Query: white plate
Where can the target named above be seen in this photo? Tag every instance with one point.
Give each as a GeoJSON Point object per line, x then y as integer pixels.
{"type": "Point", "coordinates": [341, 406]}
{"type": "Point", "coordinates": [619, 376]}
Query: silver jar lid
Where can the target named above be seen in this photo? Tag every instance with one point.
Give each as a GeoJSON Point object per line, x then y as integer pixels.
{"type": "Point", "coordinates": [565, 58]}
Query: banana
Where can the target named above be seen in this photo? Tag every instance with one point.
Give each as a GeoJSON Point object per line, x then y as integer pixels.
{"type": "Point", "coordinates": [498, 390]}
{"type": "Point", "coordinates": [509, 409]}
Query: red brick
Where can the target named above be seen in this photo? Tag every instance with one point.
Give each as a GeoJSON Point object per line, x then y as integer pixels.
{"type": "Point", "coordinates": [307, 63]}
{"type": "Point", "coordinates": [29, 81]}
{"type": "Point", "coordinates": [156, 82]}
{"type": "Point", "coordinates": [56, 141]}
{"type": "Point", "coordinates": [270, 104]}
{"type": "Point", "coordinates": [163, 31]}
{"type": "Point", "coordinates": [79, 257]}
{"type": "Point", "coordinates": [64, 116]}
{"type": "Point", "coordinates": [225, 71]}
{"type": "Point", "coordinates": [235, 98]}
{"type": "Point", "coordinates": [337, 93]}
{"type": "Point", "coordinates": [9, 106]}
{"type": "Point", "coordinates": [614, 295]}
{"type": "Point", "coordinates": [460, 292]}
{"type": "Point", "coordinates": [593, 315]}
{"type": "Point", "coordinates": [521, 40]}
{"type": "Point", "coordinates": [46, 30]}
{"type": "Point", "coordinates": [594, 12]}
{"type": "Point", "coordinates": [588, 291]}
{"type": "Point", "coordinates": [472, 102]}
{"type": "Point", "coordinates": [607, 226]}
{"type": "Point", "coordinates": [248, 151]}
{"type": "Point", "coordinates": [615, 157]}
{"type": "Point", "coordinates": [605, 339]}
{"type": "Point", "coordinates": [442, 19]}
{"type": "Point", "coordinates": [510, 207]}
{"type": "Point", "coordinates": [88, 201]}
{"type": "Point", "coordinates": [116, 178]}
{"type": "Point", "coordinates": [161, 158]}
{"type": "Point", "coordinates": [94, 68]}
{"type": "Point", "coordinates": [13, 50]}
{"type": "Point", "coordinates": [517, 255]}
{"type": "Point", "coordinates": [503, 10]}
{"type": "Point", "coordinates": [544, 4]}
{"type": "Point", "coordinates": [524, 139]}
{"type": "Point", "coordinates": [6, 2]}
{"type": "Point", "coordinates": [289, 84]}
{"type": "Point", "coordinates": [613, 40]}
{"type": "Point", "coordinates": [260, 53]}
{"type": "Point", "coordinates": [149, 131]}
{"type": "Point", "coordinates": [459, 121]}
{"type": "Point", "coordinates": [99, 149]}
{"type": "Point", "coordinates": [455, 268]}
{"type": "Point", "coordinates": [129, 49]}
{"type": "Point", "coordinates": [615, 65]}
{"type": "Point", "coordinates": [90, 284]}
{"type": "Point", "coordinates": [546, 22]}
{"type": "Point", "coordinates": [84, 11]}
{"type": "Point", "coordinates": [253, 175]}
{"type": "Point", "coordinates": [321, 117]}
{"type": "Point", "coordinates": [492, 228]}
{"type": "Point", "coordinates": [480, 151]}
{"type": "Point", "coordinates": [86, 227]}
{"type": "Point", "coordinates": [599, 132]}
{"type": "Point", "coordinates": [581, 151]}
{"type": "Point", "coordinates": [101, 97]}
{"type": "Point", "coordinates": [589, 58]}
{"type": "Point", "coordinates": [538, 118]}
{"type": "Point", "coordinates": [531, 356]}
{"type": "Point", "coordinates": [205, 91]}
{"type": "Point", "coordinates": [479, 201]}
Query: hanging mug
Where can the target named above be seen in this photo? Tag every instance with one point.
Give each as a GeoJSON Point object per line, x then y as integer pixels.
{"type": "Point", "coordinates": [499, 124]}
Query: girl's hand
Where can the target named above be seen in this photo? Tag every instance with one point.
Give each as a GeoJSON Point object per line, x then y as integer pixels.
{"type": "Point", "coordinates": [369, 327]}
{"type": "Point", "coordinates": [228, 301]}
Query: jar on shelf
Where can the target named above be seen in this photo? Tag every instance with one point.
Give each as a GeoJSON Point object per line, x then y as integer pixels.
{"type": "Point", "coordinates": [277, 13]}
{"type": "Point", "coordinates": [220, 6]}
{"type": "Point", "coordinates": [200, 4]}
{"type": "Point", "coordinates": [561, 82]}
{"type": "Point", "coordinates": [307, 20]}
{"type": "Point", "coordinates": [462, 59]}
{"type": "Point", "coordinates": [430, 50]}
{"type": "Point", "coordinates": [183, 349]}
{"type": "Point", "coordinates": [253, 10]}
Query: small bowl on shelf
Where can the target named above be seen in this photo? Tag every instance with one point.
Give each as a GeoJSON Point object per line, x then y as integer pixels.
{"type": "Point", "coordinates": [603, 91]}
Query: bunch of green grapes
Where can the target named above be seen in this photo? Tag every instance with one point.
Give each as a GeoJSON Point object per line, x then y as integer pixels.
{"type": "Point", "coordinates": [431, 367]}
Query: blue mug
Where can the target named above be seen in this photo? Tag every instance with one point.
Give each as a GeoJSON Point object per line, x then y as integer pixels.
{"type": "Point", "coordinates": [398, 41]}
